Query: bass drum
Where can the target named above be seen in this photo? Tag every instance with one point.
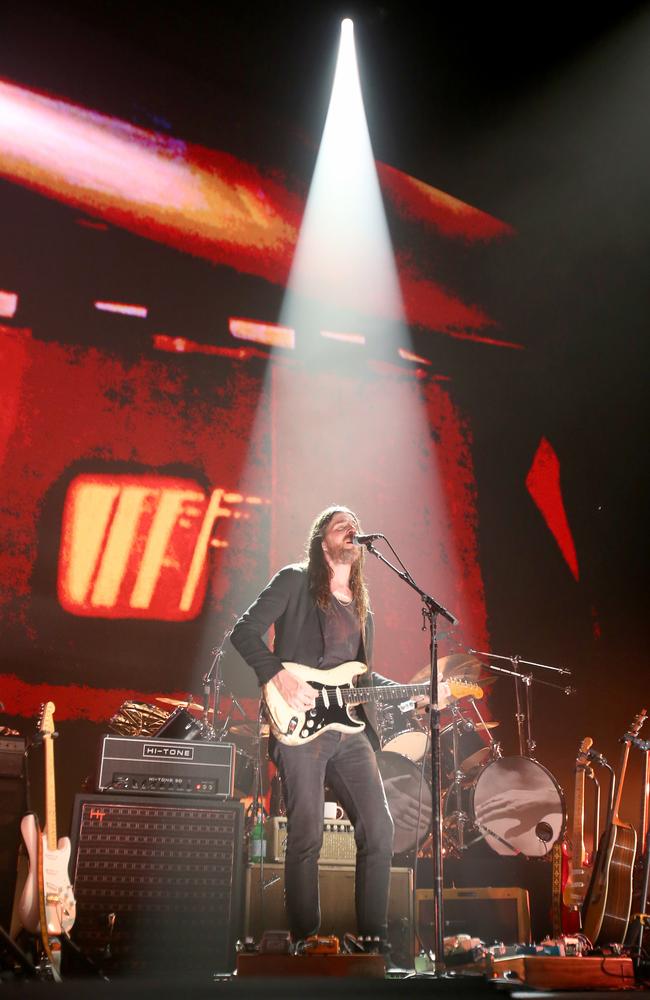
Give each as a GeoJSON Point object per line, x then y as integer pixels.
{"type": "Point", "coordinates": [402, 782]}
{"type": "Point", "coordinates": [518, 806]}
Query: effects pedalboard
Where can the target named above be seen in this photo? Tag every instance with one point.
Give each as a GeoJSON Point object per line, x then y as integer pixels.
{"type": "Point", "coordinates": [170, 767]}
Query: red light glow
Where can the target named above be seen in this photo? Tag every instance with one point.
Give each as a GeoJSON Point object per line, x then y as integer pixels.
{"type": "Point", "coordinates": [181, 345]}
{"type": "Point", "coordinates": [214, 206]}
{"type": "Point", "coordinates": [543, 484]}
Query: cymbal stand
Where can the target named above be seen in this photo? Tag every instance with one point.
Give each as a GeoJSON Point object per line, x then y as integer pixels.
{"type": "Point", "coordinates": [495, 745]}
{"type": "Point", "coordinates": [524, 719]}
{"type": "Point", "coordinates": [458, 815]}
{"type": "Point", "coordinates": [212, 688]}
{"type": "Point", "coordinates": [431, 610]}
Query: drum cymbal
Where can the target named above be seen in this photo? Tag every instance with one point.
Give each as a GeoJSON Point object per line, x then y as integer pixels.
{"type": "Point", "coordinates": [456, 665]}
{"type": "Point", "coordinates": [475, 760]}
{"type": "Point", "coordinates": [249, 727]}
{"type": "Point", "coordinates": [194, 705]}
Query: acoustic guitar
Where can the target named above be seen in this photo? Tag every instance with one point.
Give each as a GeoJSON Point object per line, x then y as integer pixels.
{"type": "Point", "coordinates": [606, 911]}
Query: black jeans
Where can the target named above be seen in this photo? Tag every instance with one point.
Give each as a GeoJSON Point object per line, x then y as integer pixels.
{"type": "Point", "coordinates": [349, 766]}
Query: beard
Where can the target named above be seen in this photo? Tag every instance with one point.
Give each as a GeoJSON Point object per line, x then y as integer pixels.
{"type": "Point", "coordinates": [344, 554]}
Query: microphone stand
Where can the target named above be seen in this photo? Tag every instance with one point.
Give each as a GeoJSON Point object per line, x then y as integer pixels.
{"type": "Point", "coordinates": [431, 609]}
{"type": "Point", "coordinates": [527, 744]}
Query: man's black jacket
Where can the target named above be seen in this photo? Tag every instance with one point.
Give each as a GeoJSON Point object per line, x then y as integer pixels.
{"type": "Point", "coordinates": [299, 634]}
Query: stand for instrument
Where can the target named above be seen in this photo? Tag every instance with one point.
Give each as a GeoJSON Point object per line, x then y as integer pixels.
{"type": "Point", "coordinates": [641, 919]}
{"type": "Point", "coordinates": [524, 719]}
{"type": "Point", "coordinates": [431, 609]}
{"type": "Point", "coordinates": [19, 957]}
{"type": "Point", "coordinates": [454, 792]}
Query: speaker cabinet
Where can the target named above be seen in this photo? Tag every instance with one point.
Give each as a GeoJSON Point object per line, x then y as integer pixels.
{"type": "Point", "coordinates": [166, 874]}
{"type": "Point", "coordinates": [538, 876]}
{"type": "Point", "coordinates": [265, 904]}
{"type": "Point", "coordinates": [486, 913]}
{"type": "Point", "coordinates": [12, 807]}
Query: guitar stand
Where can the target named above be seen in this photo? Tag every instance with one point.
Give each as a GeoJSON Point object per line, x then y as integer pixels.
{"type": "Point", "coordinates": [20, 957]}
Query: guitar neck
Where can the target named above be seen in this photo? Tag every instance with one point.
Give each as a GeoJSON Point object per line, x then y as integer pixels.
{"type": "Point", "coordinates": [50, 794]}
{"type": "Point", "coordinates": [392, 692]}
{"type": "Point", "coordinates": [578, 836]}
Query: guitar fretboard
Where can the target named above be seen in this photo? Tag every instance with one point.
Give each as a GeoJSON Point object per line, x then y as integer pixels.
{"type": "Point", "coordinates": [390, 692]}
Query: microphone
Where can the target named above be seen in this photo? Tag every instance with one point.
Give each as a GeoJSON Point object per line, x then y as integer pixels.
{"type": "Point", "coordinates": [364, 539]}
{"type": "Point", "coordinates": [598, 757]}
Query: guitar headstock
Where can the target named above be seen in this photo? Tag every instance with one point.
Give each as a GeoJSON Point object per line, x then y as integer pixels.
{"type": "Point", "coordinates": [638, 722]}
{"type": "Point", "coordinates": [583, 752]}
{"type": "Point", "coordinates": [46, 721]}
{"type": "Point", "coordinates": [461, 688]}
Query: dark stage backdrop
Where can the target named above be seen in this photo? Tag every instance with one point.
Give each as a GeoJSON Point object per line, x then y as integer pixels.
{"type": "Point", "coordinates": [156, 470]}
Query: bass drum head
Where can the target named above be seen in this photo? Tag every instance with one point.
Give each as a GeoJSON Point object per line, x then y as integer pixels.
{"type": "Point", "coordinates": [401, 778]}
{"type": "Point", "coordinates": [518, 806]}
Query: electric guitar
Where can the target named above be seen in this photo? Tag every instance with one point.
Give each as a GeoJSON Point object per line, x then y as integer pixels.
{"type": "Point", "coordinates": [606, 911]}
{"type": "Point", "coordinates": [47, 906]}
{"type": "Point", "coordinates": [575, 886]}
{"type": "Point", "coordinates": [335, 696]}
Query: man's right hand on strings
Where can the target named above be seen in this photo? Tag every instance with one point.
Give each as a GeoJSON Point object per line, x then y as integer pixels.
{"type": "Point", "coordinates": [295, 692]}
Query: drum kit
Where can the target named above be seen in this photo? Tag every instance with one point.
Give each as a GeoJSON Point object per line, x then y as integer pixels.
{"type": "Point", "coordinates": [511, 803]}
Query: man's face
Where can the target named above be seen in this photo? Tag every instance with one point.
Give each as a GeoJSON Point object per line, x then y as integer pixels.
{"type": "Point", "coordinates": [337, 538]}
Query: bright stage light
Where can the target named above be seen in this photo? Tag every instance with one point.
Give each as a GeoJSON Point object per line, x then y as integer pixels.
{"type": "Point", "coordinates": [381, 437]}
{"type": "Point", "coordinates": [344, 255]}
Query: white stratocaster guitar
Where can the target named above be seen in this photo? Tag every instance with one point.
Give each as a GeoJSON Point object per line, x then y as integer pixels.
{"type": "Point", "coordinates": [47, 906]}
{"type": "Point", "coordinates": [336, 695]}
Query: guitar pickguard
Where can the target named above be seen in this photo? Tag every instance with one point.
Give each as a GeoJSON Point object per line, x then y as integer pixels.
{"type": "Point", "coordinates": [336, 716]}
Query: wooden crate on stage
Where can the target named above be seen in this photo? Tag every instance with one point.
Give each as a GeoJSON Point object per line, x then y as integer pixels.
{"type": "Point", "coordinates": [550, 972]}
{"type": "Point", "coordinates": [359, 966]}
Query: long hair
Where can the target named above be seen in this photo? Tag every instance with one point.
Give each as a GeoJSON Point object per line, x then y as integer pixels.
{"type": "Point", "coordinates": [320, 573]}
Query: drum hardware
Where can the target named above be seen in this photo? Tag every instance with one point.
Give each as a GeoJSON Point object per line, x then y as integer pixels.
{"type": "Point", "coordinates": [523, 719]}
{"type": "Point", "coordinates": [454, 822]}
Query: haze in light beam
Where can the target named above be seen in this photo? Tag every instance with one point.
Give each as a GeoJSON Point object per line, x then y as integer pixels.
{"type": "Point", "coordinates": [344, 248]}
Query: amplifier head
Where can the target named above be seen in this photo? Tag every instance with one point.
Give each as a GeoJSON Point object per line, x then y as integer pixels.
{"type": "Point", "coordinates": [145, 765]}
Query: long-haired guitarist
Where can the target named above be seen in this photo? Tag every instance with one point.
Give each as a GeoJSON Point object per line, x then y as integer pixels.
{"type": "Point", "coordinates": [321, 614]}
